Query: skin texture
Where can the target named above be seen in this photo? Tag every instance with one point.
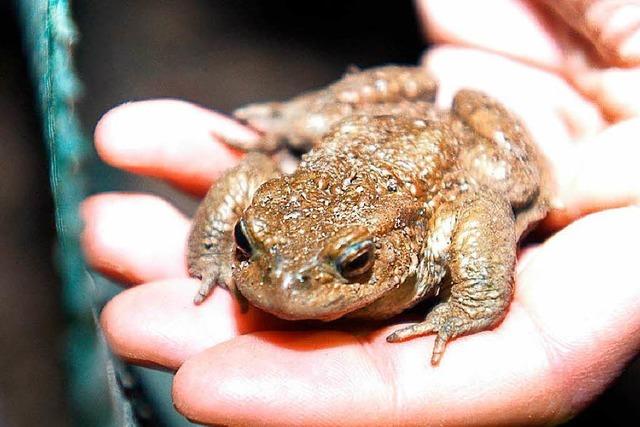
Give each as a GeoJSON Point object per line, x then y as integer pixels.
{"type": "Point", "coordinates": [396, 202]}
{"type": "Point", "coordinates": [542, 364]}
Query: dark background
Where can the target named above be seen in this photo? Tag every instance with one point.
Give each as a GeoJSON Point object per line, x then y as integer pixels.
{"type": "Point", "coordinates": [221, 54]}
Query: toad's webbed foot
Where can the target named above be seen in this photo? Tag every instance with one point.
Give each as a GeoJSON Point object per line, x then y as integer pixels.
{"type": "Point", "coordinates": [266, 118]}
{"type": "Point", "coordinates": [446, 321]}
{"type": "Point", "coordinates": [474, 240]}
{"type": "Point", "coordinates": [210, 280]}
{"type": "Point", "coordinates": [218, 275]}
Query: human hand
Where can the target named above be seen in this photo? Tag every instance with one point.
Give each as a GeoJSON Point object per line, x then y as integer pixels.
{"type": "Point", "coordinates": [568, 332]}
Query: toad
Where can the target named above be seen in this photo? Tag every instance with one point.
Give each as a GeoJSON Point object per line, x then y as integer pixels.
{"type": "Point", "coordinates": [394, 201]}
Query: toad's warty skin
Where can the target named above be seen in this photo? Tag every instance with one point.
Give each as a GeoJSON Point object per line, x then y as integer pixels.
{"type": "Point", "coordinates": [395, 202]}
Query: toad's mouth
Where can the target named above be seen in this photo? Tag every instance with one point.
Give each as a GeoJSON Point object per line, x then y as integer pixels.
{"type": "Point", "coordinates": [292, 305]}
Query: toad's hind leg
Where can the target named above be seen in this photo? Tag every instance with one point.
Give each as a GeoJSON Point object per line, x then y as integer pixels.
{"type": "Point", "coordinates": [500, 154]}
{"type": "Point", "coordinates": [474, 242]}
{"type": "Point", "coordinates": [211, 246]}
{"type": "Point", "coordinates": [301, 122]}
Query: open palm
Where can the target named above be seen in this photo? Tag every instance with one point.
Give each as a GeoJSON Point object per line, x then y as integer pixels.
{"type": "Point", "coordinates": [575, 318]}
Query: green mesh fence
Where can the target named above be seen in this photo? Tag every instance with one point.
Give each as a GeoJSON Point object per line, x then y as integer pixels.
{"type": "Point", "coordinates": [103, 391]}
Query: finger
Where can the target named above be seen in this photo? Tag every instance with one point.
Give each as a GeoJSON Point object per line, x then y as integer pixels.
{"type": "Point", "coordinates": [613, 28]}
{"type": "Point", "coordinates": [535, 367]}
{"type": "Point", "coordinates": [134, 238]}
{"type": "Point", "coordinates": [602, 173]}
{"type": "Point", "coordinates": [520, 29]}
{"type": "Point", "coordinates": [616, 90]}
{"type": "Point", "coordinates": [158, 324]}
{"type": "Point", "coordinates": [553, 121]}
{"type": "Point", "coordinates": [586, 300]}
{"type": "Point", "coordinates": [512, 28]}
{"type": "Point", "coordinates": [321, 378]}
{"type": "Point", "coordinates": [172, 140]}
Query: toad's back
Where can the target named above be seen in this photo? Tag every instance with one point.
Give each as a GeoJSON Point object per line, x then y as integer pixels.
{"type": "Point", "coordinates": [408, 155]}
{"type": "Point", "coordinates": [411, 148]}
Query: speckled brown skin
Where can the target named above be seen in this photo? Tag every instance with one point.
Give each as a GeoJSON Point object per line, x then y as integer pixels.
{"type": "Point", "coordinates": [212, 252]}
{"type": "Point", "coordinates": [302, 122]}
{"type": "Point", "coordinates": [396, 202]}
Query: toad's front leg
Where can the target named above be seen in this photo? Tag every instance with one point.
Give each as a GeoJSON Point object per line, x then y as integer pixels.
{"type": "Point", "coordinates": [211, 245]}
{"type": "Point", "coordinates": [301, 122]}
{"type": "Point", "coordinates": [475, 242]}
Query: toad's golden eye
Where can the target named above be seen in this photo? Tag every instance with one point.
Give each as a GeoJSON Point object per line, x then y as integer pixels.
{"type": "Point", "coordinates": [356, 260]}
{"type": "Point", "coordinates": [244, 250]}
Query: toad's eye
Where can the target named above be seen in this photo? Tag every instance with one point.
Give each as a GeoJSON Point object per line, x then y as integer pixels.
{"type": "Point", "coordinates": [243, 245]}
{"type": "Point", "coordinates": [356, 260]}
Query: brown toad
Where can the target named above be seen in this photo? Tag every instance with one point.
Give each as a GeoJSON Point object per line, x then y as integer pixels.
{"type": "Point", "coordinates": [397, 201]}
